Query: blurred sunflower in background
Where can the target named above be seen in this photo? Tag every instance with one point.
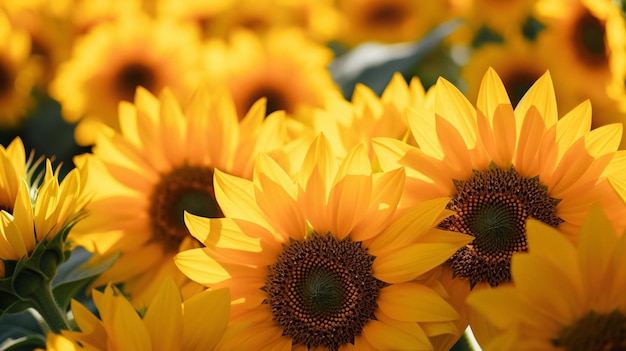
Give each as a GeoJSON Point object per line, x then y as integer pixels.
{"type": "Point", "coordinates": [563, 296]}
{"type": "Point", "coordinates": [166, 323]}
{"type": "Point", "coordinates": [18, 74]}
{"type": "Point", "coordinates": [159, 164]}
{"type": "Point", "coordinates": [283, 66]}
{"type": "Point", "coordinates": [590, 37]}
{"type": "Point", "coordinates": [500, 166]}
{"type": "Point", "coordinates": [318, 261]}
{"type": "Point", "coordinates": [115, 58]}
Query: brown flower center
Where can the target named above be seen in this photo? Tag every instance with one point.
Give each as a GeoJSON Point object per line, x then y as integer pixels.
{"type": "Point", "coordinates": [385, 15]}
{"type": "Point", "coordinates": [131, 76]}
{"type": "Point", "coordinates": [517, 83]}
{"type": "Point", "coordinates": [588, 38]}
{"type": "Point", "coordinates": [276, 100]}
{"type": "Point", "coordinates": [185, 188]}
{"type": "Point", "coordinates": [322, 291]}
{"type": "Point", "coordinates": [594, 331]}
{"type": "Point", "coordinates": [7, 79]}
{"type": "Point", "coordinates": [493, 207]}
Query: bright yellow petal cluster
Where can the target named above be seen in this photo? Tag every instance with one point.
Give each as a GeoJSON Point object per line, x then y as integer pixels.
{"type": "Point", "coordinates": [562, 296]}
{"type": "Point", "coordinates": [167, 324]}
{"type": "Point", "coordinates": [161, 161]}
{"type": "Point", "coordinates": [266, 216]}
{"type": "Point", "coordinates": [33, 213]}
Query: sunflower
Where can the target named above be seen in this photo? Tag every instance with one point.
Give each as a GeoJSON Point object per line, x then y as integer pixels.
{"type": "Point", "coordinates": [317, 18]}
{"type": "Point", "coordinates": [199, 13]}
{"type": "Point", "coordinates": [499, 166]}
{"type": "Point", "coordinates": [563, 297]}
{"type": "Point", "coordinates": [34, 210]}
{"type": "Point", "coordinates": [159, 164]}
{"type": "Point", "coordinates": [590, 37]}
{"type": "Point", "coordinates": [116, 57]}
{"type": "Point", "coordinates": [387, 21]}
{"type": "Point", "coordinates": [165, 324]}
{"type": "Point", "coordinates": [320, 261]}
{"type": "Point", "coordinates": [366, 115]}
{"type": "Point", "coordinates": [284, 66]}
{"type": "Point", "coordinates": [18, 74]}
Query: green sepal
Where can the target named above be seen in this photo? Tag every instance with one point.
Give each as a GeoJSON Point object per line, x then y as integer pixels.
{"type": "Point", "coordinates": [79, 277]}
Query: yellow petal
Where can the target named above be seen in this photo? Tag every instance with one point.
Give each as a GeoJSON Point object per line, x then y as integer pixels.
{"type": "Point", "coordinates": [385, 337]}
{"type": "Point", "coordinates": [199, 267]}
{"type": "Point", "coordinates": [223, 232]}
{"type": "Point", "coordinates": [491, 94]}
{"type": "Point", "coordinates": [452, 105]}
{"type": "Point", "coordinates": [164, 318]}
{"type": "Point", "coordinates": [235, 197]}
{"type": "Point", "coordinates": [541, 96]}
{"type": "Point", "coordinates": [412, 302]}
{"type": "Point", "coordinates": [202, 333]}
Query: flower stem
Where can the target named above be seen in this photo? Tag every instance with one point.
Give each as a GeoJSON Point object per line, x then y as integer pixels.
{"type": "Point", "coordinates": [47, 307]}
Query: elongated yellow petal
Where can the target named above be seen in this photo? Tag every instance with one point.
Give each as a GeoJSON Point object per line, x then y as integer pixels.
{"type": "Point", "coordinates": [385, 337]}
{"type": "Point", "coordinates": [412, 302]}
{"type": "Point", "coordinates": [200, 267]}
{"type": "Point", "coordinates": [164, 318]}
{"type": "Point", "coordinates": [222, 232]}
{"type": "Point", "coordinates": [202, 333]}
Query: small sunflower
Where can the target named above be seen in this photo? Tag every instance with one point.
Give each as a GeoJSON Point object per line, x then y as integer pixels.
{"type": "Point", "coordinates": [18, 74]}
{"type": "Point", "coordinates": [499, 166]}
{"type": "Point", "coordinates": [563, 297]}
{"type": "Point", "coordinates": [505, 18]}
{"type": "Point", "coordinates": [320, 262]}
{"type": "Point", "coordinates": [366, 115]}
{"type": "Point", "coordinates": [34, 210]}
{"type": "Point", "coordinates": [159, 164]}
{"type": "Point", "coordinates": [166, 324]}
{"type": "Point", "coordinates": [116, 57]}
{"type": "Point", "coordinates": [388, 21]}
{"type": "Point", "coordinates": [590, 37]}
{"type": "Point", "coordinates": [284, 66]}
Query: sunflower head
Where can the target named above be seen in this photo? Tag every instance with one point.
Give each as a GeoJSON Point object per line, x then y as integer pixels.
{"type": "Point", "coordinates": [533, 312]}
{"type": "Point", "coordinates": [320, 260]}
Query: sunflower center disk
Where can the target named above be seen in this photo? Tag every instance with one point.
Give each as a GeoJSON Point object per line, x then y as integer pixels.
{"type": "Point", "coordinates": [322, 292]}
{"type": "Point", "coordinates": [493, 206]}
{"type": "Point", "coordinates": [132, 76]}
{"type": "Point", "coordinates": [589, 40]}
{"type": "Point", "coordinates": [594, 331]}
{"type": "Point", "coordinates": [276, 100]}
{"type": "Point", "coordinates": [386, 15]}
{"type": "Point", "coordinates": [183, 189]}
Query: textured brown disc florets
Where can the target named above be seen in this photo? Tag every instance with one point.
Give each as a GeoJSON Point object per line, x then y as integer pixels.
{"type": "Point", "coordinates": [594, 331]}
{"type": "Point", "coordinates": [185, 188]}
{"type": "Point", "coordinates": [322, 292]}
{"type": "Point", "coordinates": [493, 206]}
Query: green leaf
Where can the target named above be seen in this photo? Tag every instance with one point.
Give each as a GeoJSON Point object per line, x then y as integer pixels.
{"type": "Point", "coordinates": [26, 343]}
{"type": "Point", "coordinates": [78, 277]}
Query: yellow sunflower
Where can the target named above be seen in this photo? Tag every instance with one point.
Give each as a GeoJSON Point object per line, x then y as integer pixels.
{"type": "Point", "coordinates": [113, 59]}
{"type": "Point", "coordinates": [166, 324]}
{"type": "Point", "coordinates": [388, 21]}
{"type": "Point", "coordinates": [366, 115]}
{"type": "Point", "coordinates": [49, 32]}
{"type": "Point", "coordinates": [322, 261]}
{"type": "Point", "coordinates": [590, 37]}
{"type": "Point", "coordinates": [18, 74]}
{"type": "Point", "coordinates": [499, 166]}
{"type": "Point", "coordinates": [506, 18]}
{"type": "Point", "coordinates": [563, 297]}
{"type": "Point", "coordinates": [34, 210]}
{"type": "Point", "coordinates": [159, 164]}
{"type": "Point", "coordinates": [283, 66]}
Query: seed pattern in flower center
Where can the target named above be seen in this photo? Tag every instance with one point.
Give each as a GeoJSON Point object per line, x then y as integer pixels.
{"type": "Point", "coordinates": [322, 292]}
{"type": "Point", "coordinates": [493, 206]}
{"type": "Point", "coordinates": [594, 331]}
{"type": "Point", "coordinates": [185, 188]}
